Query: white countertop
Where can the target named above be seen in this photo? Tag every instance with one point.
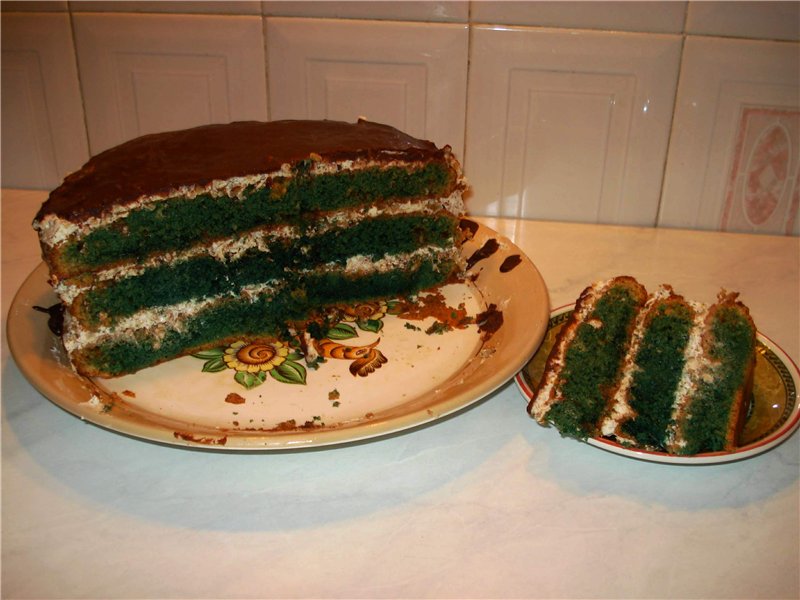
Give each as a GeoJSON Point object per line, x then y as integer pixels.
{"type": "Point", "coordinates": [482, 504]}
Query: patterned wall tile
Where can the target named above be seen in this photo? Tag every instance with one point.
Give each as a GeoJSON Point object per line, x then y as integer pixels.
{"type": "Point", "coordinates": [762, 190]}
{"type": "Point", "coordinates": [733, 155]}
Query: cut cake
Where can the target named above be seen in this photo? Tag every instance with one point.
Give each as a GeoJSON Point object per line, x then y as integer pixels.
{"type": "Point", "coordinates": [178, 241]}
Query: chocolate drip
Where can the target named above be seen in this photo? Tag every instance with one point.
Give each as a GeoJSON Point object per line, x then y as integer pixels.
{"type": "Point", "coordinates": [489, 247]}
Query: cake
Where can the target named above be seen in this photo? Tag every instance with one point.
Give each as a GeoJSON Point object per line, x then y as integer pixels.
{"type": "Point", "coordinates": [650, 371]}
{"type": "Point", "coordinates": [178, 241]}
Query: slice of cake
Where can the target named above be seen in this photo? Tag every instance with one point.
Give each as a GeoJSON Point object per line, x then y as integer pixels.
{"type": "Point", "coordinates": [715, 390]}
{"type": "Point", "coordinates": [682, 373]}
{"type": "Point", "coordinates": [640, 409]}
{"type": "Point", "coordinates": [177, 241]}
{"type": "Point", "coordinates": [586, 357]}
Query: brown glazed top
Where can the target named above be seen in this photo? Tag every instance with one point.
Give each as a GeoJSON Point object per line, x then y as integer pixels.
{"type": "Point", "coordinates": [159, 162]}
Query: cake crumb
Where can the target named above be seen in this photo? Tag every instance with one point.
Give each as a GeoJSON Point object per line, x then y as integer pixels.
{"type": "Point", "coordinates": [234, 398]}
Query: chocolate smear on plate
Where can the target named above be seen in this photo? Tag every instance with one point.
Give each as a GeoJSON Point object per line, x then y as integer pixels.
{"type": "Point", "coordinates": [489, 321]}
{"type": "Point", "coordinates": [55, 320]}
{"type": "Point", "coordinates": [489, 247]}
{"type": "Point", "coordinates": [470, 228]}
{"type": "Point", "coordinates": [510, 263]}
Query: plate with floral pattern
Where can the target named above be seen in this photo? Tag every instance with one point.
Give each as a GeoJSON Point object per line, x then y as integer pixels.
{"type": "Point", "coordinates": [383, 367]}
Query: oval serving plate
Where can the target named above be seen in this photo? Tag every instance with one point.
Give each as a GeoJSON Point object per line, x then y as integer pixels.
{"type": "Point", "coordinates": [411, 372]}
{"type": "Point", "coordinates": [774, 414]}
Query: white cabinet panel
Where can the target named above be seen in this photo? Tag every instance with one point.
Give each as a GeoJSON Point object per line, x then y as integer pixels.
{"type": "Point", "coordinates": [409, 75]}
{"type": "Point", "coordinates": [146, 73]}
{"type": "Point", "coordinates": [43, 132]}
{"type": "Point", "coordinates": [569, 125]}
{"type": "Point", "coordinates": [735, 149]}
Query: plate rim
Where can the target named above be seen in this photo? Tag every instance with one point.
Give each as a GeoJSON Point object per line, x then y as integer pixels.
{"type": "Point", "coordinates": [768, 442]}
{"type": "Point", "coordinates": [295, 439]}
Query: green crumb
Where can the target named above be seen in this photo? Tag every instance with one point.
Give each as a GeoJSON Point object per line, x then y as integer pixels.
{"type": "Point", "coordinates": [438, 328]}
{"type": "Point", "coordinates": [408, 325]}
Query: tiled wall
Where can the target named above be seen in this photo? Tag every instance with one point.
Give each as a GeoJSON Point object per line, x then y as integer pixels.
{"type": "Point", "coordinates": [678, 114]}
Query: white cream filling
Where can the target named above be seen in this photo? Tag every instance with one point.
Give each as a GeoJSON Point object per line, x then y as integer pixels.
{"type": "Point", "coordinates": [548, 394]}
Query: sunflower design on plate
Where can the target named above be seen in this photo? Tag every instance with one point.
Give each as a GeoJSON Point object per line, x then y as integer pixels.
{"type": "Point", "coordinates": [254, 361]}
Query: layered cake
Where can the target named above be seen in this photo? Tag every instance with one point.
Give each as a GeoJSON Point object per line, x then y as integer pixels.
{"type": "Point", "coordinates": [178, 241]}
{"type": "Point", "coordinates": [651, 371]}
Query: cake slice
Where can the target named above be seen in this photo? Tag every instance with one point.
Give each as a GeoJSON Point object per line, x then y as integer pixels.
{"type": "Point", "coordinates": [654, 372]}
{"type": "Point", "coordinates": [715, 390]}
{"type": "Point", "coordinates": [178, 241]}
{"type": "Point", "coordinates": [641, 407]}
{"type": "Point", "coordinates": [587, 356]}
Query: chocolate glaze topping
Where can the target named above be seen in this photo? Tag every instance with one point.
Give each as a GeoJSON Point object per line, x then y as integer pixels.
{"type": "Point", "coordinates": [159, 162]}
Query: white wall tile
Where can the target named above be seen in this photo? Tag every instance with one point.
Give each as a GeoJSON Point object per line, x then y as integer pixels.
{"type": "Point", "coordinates": [733, 158]}
{"type": "Point", "coordinates": [415, 10]}
{"type": "Point", "coordinates": [43, 127]}
{"type": "Point", "coordinates": [146, 73]}
{"type": "Point", "coordinates": [569, 125]}
{"type": "Point", "coordinates": [763, 19]}
{"type": "Point", "coordinates": [658, 16]}
{"type": "Point", "coordinates": [409, 75]}
{"type": "Point", "coordinates": [225, 7]}
{"type": "Point", "coordinates": [39, 6]}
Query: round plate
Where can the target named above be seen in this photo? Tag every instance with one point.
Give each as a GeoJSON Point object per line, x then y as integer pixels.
{"type": "Point", "coordinates": [383, 373]}
{"type": "Point", "coordinates": [774, 414]}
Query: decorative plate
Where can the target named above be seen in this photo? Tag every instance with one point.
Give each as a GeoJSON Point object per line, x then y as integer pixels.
{"type": "Point", "coordinates": [385, 367]}
{"type": "Point", "coordinates": [774, 413]}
